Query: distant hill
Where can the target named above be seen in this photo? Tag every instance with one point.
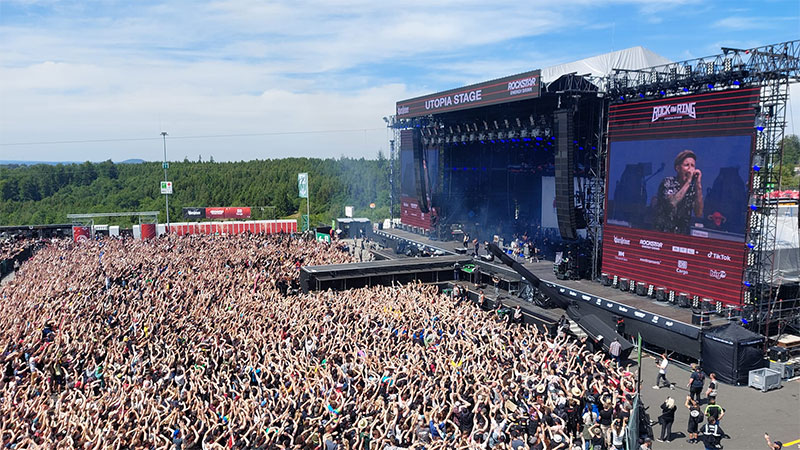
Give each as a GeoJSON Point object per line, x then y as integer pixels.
{"type": "Point", "coordinates": [132, 161]}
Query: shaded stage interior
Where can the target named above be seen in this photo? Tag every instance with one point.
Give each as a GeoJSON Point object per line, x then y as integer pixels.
{"type": "Point", "coordinates": [490, 170]}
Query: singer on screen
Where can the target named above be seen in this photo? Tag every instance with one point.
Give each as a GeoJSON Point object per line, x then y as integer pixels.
{"type": "Point", "coordinates": [680, 196]}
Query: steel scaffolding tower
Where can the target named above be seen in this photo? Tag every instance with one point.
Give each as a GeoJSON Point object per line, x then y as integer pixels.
{"type": "Point", "coordinates": [770, 67]}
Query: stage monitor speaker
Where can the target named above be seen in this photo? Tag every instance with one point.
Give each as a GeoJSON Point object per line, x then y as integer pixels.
{"type": "Point", "coordinates": [419, 170]}
{"type": "Point", "coordinates": [702, 318]}
{"type": "Point", "coordinates": [596, 328]}
{"type": "Point", "coordinates": [565, 173]}
{"type": "Point", "coordinates": [776, 353]}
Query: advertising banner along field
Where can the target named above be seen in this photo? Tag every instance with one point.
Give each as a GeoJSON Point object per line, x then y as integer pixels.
{"type": "Point", "coordinates": [216, 213]}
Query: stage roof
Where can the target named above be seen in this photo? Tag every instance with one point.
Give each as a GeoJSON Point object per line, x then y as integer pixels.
{"type": "Point", "coordinates": [526, 85]}
{"type": "Point", "coordinates": [602, 65]}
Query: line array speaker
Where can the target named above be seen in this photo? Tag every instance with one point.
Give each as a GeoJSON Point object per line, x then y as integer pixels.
{"type": "Point", "coordinates": [419, 170]}
{"type": "Point", "coordinates": [565, 173]}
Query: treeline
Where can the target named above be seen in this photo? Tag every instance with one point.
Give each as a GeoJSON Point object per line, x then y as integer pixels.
{"type": "Point", "coordinates": [44, 194]}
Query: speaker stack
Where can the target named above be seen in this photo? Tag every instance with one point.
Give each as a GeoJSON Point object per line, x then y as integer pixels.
{"type": "Point", "coordinates": [419, 170]}
{"type": "Point", "coordinates": [565, 173]}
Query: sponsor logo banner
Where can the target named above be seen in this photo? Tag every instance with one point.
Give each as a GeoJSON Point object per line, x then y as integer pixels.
{"type": "Point", "coordinates": [194, 213]}
{"type": "Point", "coordinates": [511, 88]}
{"type": "Point", "coordinates": [215, 213]}
{"type": "Point", "coordinates": [706, 268]}
{"type": "Point", "coordinates": [237, 213]}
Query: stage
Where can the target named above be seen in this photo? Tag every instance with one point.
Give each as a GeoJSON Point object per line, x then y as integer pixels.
{"type": "Point", "coordinates": [660, 323]}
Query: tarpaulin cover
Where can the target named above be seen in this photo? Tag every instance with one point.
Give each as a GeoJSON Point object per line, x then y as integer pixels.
{"type": "Point", "coordinates": [787, 245]}
{"type": "Point", "coordinates": [602, 65]}
{"type": "Point", "coordinates": [731, 352]}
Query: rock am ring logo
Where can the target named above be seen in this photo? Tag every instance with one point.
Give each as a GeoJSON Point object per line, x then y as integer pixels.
{"type": "Point", "coordinates": [674, 111]}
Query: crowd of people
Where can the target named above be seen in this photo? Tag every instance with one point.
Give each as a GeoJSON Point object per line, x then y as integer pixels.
{"type": "Point", "coordinates": [202, 342]}
{"type": "Point", "coordinates": [14, 250]}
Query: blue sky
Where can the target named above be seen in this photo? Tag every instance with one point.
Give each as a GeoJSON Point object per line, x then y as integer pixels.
{"type": "Point", "coordinates": [108, 70]}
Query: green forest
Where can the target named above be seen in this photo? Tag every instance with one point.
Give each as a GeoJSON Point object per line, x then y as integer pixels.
{"type": "Point", "coordinates": [42, 194]}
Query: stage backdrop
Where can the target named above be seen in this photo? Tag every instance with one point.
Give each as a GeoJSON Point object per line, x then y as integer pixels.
{"type": "Point", "coordinates": [410, 212]}
{"type": "Point", "coordinates": [666, 225]}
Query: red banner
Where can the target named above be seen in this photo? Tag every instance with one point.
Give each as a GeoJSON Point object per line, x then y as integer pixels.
{"type": "Point", "coordinates": [215, 213]}
{"type": "Point", "coordinates": [80, 234]}
{"type": "Point", "coordinates": [237, 213]}
{"type": "Point", "coordinates": [410, 214]}
{"type": "Point", "coordinates": [148, 231]}
{"type": "Point", "coordinates": [703, 267]}
{"type": "Point", "coordinates": [234, 212]}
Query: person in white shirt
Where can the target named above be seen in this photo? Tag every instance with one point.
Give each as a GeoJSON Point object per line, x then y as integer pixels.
{"type": "Point", "coordinates": [662, 373]}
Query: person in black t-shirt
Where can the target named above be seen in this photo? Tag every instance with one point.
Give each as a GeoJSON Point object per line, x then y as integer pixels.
{"type": "Point", "coordinates": [696, 381]}
{"type": "Point", "coordinates": [666, 419]}
{"type": "Point", "coordinates": [605, 417]}
{"type": "Point", "coordinates": [695, 419]}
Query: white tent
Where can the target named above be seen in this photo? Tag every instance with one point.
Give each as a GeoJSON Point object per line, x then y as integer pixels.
{"type": "Point", "coordinates": [787, 245]}
{"type": "Point", "coordinates": [602, 65]}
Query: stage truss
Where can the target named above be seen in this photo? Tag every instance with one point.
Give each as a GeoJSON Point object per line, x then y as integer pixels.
{"type": "Point", "coordinates": [772, 68]}
{"type": "Point", "coordinates": [87, 220]}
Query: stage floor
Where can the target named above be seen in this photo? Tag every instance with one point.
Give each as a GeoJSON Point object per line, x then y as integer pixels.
{"type": "Point", "coordinates": [544, 270]}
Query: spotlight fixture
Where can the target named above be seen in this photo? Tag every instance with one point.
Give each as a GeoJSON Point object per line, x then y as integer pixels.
{"type": "Point", "coordinates": [760, 122]}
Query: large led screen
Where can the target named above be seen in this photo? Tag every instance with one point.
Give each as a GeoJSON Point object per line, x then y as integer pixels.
{"type": "Point", "coordinates": [677, 192]}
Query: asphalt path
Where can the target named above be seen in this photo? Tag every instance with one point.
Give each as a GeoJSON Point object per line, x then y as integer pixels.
{"type": "Point", "coordinates": [749, 413]}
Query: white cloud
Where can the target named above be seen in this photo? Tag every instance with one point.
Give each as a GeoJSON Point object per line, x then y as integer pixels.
{"type": "Point", "coordinates": [121, 70]}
